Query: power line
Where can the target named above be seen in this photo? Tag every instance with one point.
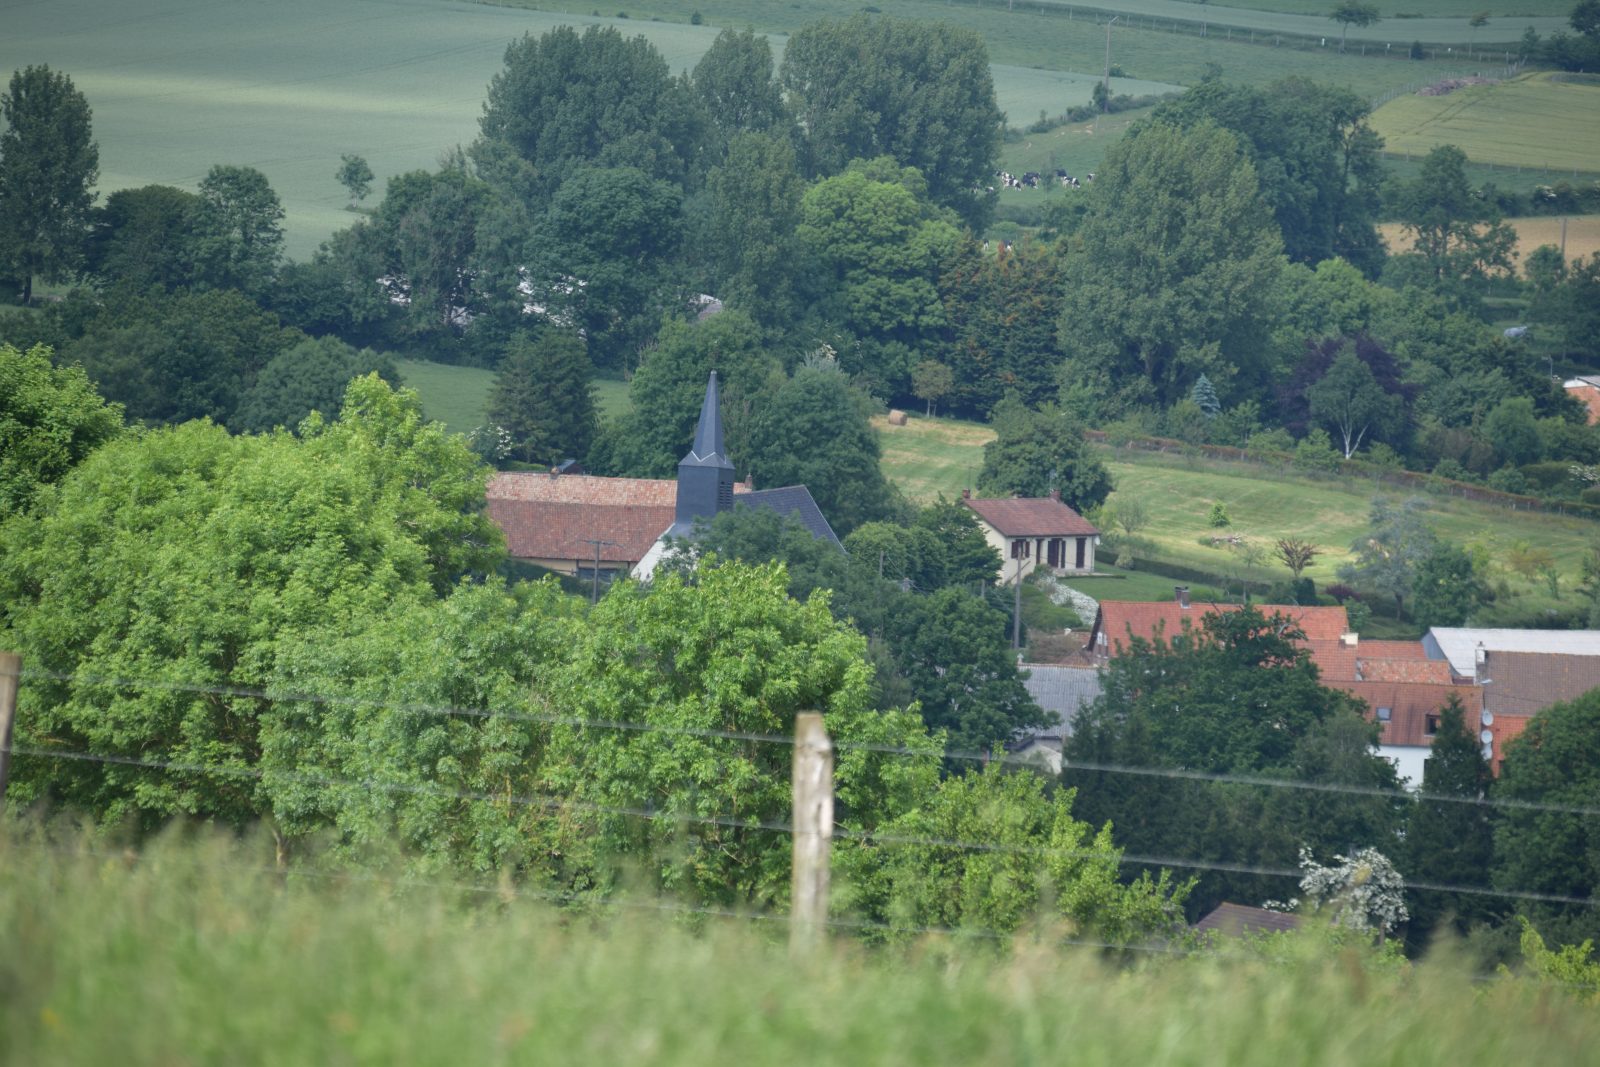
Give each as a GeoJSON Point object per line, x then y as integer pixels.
{"type": "Point", "coordinates": [772, 826]}
{"type": "Point", "coordinates": [958, 755]}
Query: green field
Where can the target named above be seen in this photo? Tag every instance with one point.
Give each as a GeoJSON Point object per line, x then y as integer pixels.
{"type": "Point", "coordinates": [452, 395]}
{"type": "Point", "coordinates": [928, 457]}
{"type": "Point", "coordinates": [201, 953]}
{"type": "Point", "coordinates": [179, 85]}
{"type": "Point", "coordinates": [1535, 121]}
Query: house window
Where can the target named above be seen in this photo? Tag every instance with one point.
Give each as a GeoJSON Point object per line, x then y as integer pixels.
{"type": "Point", "coordinates": [1021, 549]}
{"type": "Point", "coordinates": [1384, 714]}
{"type": "Point", "coordinates": [1431, 725]}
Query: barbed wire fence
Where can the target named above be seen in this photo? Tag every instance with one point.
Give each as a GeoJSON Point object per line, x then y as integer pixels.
{"type": "Point", "coordinates": [786, 827]}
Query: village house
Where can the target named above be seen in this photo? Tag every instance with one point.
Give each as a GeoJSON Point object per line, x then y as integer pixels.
{"type": "Point", "coordinates": [1034, 532]}
{"type": "Point", "coordinates": [1403, 686]}
{"type": "Point", "coordinates": [587, 526]}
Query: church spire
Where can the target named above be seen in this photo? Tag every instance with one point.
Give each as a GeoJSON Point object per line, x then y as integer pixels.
{"type": "Point", "coordinates": [705, 475]}
{"type": "Point", "coordinates": [707, 447]}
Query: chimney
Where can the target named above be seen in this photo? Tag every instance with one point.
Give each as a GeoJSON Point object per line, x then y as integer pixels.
{"type": "Point", "coordinates": [966, 494]}
{"type": "Point", "coordinates": [1182, 593]}
{"type": "Point", "coordinates": [749, 481]}
{"type": "Point", "coordinates": [1349, 640]}
{"type": "Point", "coordinates": [1055, 494]}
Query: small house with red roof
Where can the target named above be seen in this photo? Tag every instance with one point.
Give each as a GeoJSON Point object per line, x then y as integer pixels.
{"type": "Point", "coordinates": [1034, 532]}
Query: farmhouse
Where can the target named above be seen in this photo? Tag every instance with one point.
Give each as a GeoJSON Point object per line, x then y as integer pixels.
{"type": "Point", "coordinates": [584, 525]}
{"type": "Point", "coordinates": [1030, 533]}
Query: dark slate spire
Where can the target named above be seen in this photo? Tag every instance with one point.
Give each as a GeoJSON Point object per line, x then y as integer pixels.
{"type": "Point", "coordinates": [705, 475]}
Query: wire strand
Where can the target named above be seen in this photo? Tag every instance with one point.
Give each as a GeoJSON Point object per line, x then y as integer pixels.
{"type": "Point", "coordinates": [1260, 781]}
{"type": "Point", "coordinates": [773, 826]}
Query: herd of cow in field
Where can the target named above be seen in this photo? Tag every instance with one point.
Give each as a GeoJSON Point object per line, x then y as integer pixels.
{"type": "Point", "coordinates": [1033, 180]}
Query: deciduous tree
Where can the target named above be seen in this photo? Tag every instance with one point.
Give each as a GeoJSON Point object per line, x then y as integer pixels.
{"type": "Point", "coordinates": [238, 230]}
{"type": "Point", "coordinates": [1037, 451]}
{"type": "Point", "coordinates": [1173, 267]}
{"type": "Point", "coordinates": [48, 167]}
{"type": "Point", "coordinates": [50, 419]}
{"type": "Point", "coordinates": [1235, 694]}
{"type": "Point", "coordinates": [920, 92]}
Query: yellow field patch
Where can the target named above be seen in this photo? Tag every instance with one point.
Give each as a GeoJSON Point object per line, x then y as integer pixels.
{"type": "Point", "coordinates": [1583, 235]}
{"type": "Point", "coordinates": [1535, 120]}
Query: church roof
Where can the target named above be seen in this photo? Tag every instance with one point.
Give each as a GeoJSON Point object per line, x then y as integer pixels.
{"type": "Point", "coordinates": [793, 501]}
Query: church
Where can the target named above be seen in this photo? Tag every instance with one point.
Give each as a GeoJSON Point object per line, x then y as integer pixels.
{"type": "Point", "coordinates": [583, 525]}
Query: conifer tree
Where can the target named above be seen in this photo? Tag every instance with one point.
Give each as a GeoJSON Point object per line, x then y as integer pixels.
{"type": "Point", "coordinates": [1204, 395]}
{"type": "Point", "coordinates": [1450, 842]}
{"type": "Point", "coordinates": [543, 398]}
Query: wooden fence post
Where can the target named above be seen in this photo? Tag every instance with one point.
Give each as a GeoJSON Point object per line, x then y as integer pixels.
{"type": "Point", "coordinates": [813, 832]}
{"type": "Point", "coordinates": [10, 675]}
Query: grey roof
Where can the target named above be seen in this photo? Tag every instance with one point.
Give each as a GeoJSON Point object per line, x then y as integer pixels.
{"type": "Point", "coordinates": [1459, 644]}
{"type": "Point", "coordinates": [792, 501]}
{"type": "Point", "coordinates": [707, 450]}
{"type": "Point", "coordinates": [1062, 691]}
{"type": "Point", "coordinates": [1237, 919]}
{"type": "Point", "coordinates": [1525, 683]}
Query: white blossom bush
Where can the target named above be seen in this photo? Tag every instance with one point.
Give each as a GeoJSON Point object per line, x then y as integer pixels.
{"type": "Point", "coordinates": [1364, 891]}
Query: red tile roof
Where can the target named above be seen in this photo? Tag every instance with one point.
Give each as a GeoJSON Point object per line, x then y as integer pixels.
{"type": "Point", "coordinates": [1410, 704]}
{"type": "Point", "coordinates": [1430, 671]}
{"type": "Point", "coordinates": [554, 518]}
{"type": "Point", "coordinates": [1031, 517]}
{"type": "Point", "coordinates": [1323, 626]}
{"type": "Point", "coordinates": [1589, 395]}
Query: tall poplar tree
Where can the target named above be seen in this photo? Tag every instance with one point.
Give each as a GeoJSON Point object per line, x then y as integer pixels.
{"type": "Point", "coordinates": [48, 167]}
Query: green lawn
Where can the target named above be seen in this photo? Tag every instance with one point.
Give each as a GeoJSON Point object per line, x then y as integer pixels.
{"type": "Point", "coordinates": [453, 395]}
{"type": "Point", "coordinates": [1534, 121]}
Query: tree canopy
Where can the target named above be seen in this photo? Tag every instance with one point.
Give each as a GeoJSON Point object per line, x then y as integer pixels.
{"type": "Point", "coordinates": [1172, 269]}
{"type": "Point", "coordinates": [1233, 695]}
{"type": "Point", "coordinates": [50, 419]}
{"type": "Point", "coordinates": [1038, 451]}
{"type": "Point", "coordinates": [187, 556]}
{"type": "Point", "coordinates": [920, 92]}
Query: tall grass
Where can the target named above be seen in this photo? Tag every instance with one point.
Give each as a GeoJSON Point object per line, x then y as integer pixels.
{"type": "Point", "coordinates": [194, 952]}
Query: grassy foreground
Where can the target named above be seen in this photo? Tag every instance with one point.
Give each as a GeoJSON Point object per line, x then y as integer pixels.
{"type": "Point", "coordinates": [192, 953]}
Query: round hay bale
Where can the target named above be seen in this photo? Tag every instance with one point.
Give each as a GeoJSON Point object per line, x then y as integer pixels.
{"type": "Point", "coordinates": [897, 417]}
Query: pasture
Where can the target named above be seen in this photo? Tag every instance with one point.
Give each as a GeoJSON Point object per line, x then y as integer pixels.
{"type": "Point", "coordinates": [179, 85]}
{"type": "Point", "coordinates": [1534, 121]}
{"type": "Point", "coordinates": [201, 952]}
{"type": "Point", "coordinates": [452, 395]}
{"type": "Point", "coordinates": [927, 457]}
{"type": "Point", "coordinates": [1583, 235]}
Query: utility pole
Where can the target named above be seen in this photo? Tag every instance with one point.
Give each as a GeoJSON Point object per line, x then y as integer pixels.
{"type": "Point", "coordinates": [594, 592]}
{"type": "Point", "coordinates": [812, 819]}
{"type": "Point", "coordinates": [1016, 610]}
{"type": "Point", "coordinates": [10, 675]}
{"type": "Point", "coordinates": [1106, 80]}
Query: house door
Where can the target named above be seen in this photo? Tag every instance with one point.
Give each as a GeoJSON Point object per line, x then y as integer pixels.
{"type": "Point", "coordinates": [1081, 541]}
{"type": "Point", "coordinates": [1053, 551]}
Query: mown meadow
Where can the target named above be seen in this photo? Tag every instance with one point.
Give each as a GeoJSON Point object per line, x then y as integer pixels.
{"type": "Point", "coordinates": [929, 457]}
{"type": "Point", "coordinates": [200, 951]}
{"type": "Point", "coordinates": [1542, 121]}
